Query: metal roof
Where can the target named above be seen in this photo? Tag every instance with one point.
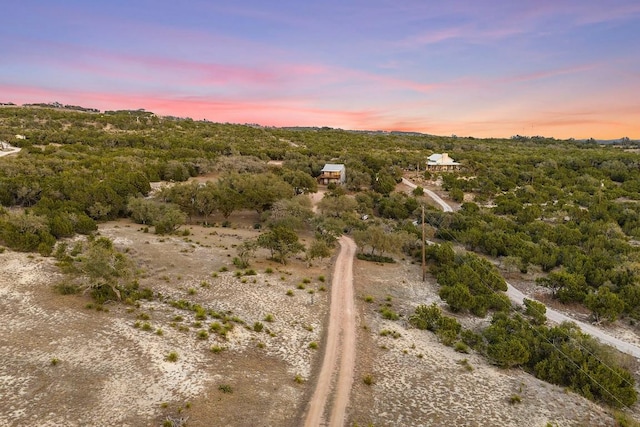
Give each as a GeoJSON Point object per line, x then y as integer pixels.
{"type": "Point", "coordinates": [332, 167]}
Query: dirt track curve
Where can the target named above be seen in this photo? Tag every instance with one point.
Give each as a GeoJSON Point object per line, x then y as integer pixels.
{"type": "Point", "coordinates": [553, 315]}
{"type": "Point", "coordinates": [339, 355]}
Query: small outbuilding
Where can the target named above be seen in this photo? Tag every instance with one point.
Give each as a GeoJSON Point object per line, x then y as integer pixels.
{"type": "Point", "coordinates": [333, 173]}
{"type": "Point", "coordinates": [441, 162]}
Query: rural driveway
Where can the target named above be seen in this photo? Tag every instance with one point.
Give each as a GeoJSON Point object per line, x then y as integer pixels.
{"type": "Point", "coordinates": [444, 205]}
{"type": "Point", "coordinates": [555, 316]}
{"type": "Point", "coordinates": [338, 362]}
{"type": "Point", "coordinates": [10, 150]}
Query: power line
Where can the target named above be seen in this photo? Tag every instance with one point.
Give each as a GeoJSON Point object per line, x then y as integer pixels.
{"type": "Point", "coordinates": [453, 238]}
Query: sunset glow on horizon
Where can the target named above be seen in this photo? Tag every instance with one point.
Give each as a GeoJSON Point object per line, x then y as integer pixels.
{"type": "Point", "coordinates": [566, 69]}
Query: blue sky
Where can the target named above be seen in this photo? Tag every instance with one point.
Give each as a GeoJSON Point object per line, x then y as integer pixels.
{"type": "Point", "coordinates": [471, 68]}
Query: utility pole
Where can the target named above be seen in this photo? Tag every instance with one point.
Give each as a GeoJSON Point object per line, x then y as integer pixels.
{"type": "Point", "coordinates": [424, 255]}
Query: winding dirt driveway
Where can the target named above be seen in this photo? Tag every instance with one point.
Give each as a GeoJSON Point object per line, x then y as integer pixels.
{"type": "Point", "coordinates": [444, 205]}
{"type": "Point", "coordinates": [10, 150]}
{"type": "Point", "coordinates": [553, 315]}
{"type": "Point", "coordinates": [339, 354]}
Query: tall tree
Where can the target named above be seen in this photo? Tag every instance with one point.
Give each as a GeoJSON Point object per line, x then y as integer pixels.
{"type": "Point", "coordinates": [282, 242]}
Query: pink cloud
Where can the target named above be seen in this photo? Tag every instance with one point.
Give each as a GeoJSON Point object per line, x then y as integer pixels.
{"type": "Point", "coordinates": [568, 120]}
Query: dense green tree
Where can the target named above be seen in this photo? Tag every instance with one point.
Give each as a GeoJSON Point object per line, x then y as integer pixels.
{"type": "Point", "coordinates": [281, 242]}
{"type": "Point", "coordinates": [26, 232]}
{"type": "Point", "coordinates": [337, 206]}
{"type": "Point", "coordinates": [293, 213]}
{"type": "Point", "coordinates": [143, 211]}
{"type": "Point", "coordinates": [383, 183]}
{"type": "Point", "coordinates": [260, 192]}
{"type": "Point", "coordinates": [536, 311]}
{"type": "Point", "coordinates": [170, 218]}
{"type": "Point", "coordinates": [318, 249]}
{"type": "Point", "coordinates": [457, 297]}
{"type": "Point", "coordinates": [565, 286]}
{"type": "Point", "coordinates": [426, 317]}
{"type": "Point", "coordinates": [604, 304]}
{"type": "Point", "coordinates": [302, 182]}
{"type": "Point", "coordinates": [206, 201]}
{"type": "Point", "coordinates": [508, 340]}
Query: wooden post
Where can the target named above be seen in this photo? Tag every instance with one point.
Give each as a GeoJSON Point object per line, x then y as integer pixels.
{"type": "Point", "coordinates": [424, 256]}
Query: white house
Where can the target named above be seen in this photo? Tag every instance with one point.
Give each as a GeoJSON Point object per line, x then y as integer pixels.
{"type": "Point", "coordinates": [332, 172]}
{"type": "Point", "coordinates": [441, 162]}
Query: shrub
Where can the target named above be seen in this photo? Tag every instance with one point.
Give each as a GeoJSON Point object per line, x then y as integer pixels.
{"type": "Point", "coordinates": [67, 288]}
{"type": "Point", "coordinates": [368, 379]}
{"type": "Point", "coordinates": [313, 345]}
{"type": "Point", "coordinates": [473, 340]}
{"type": "Point", "coordinates": [461, 347]}
{"type": "Point", "coordinates": [258, 326]}
{"type": "Point", "coordinates": [268, 318]}
{"type": "Point", "coordinates": [171, 357]}
{"type": "Point", "coordinates": [389, 314]}
{"type": "Point", "coordinates": [202, 334]}
{"type": "Point", "coordinates": [225, 388]}
{"type": "Point", "coordinates": [393, 334]}
{"type": "Point", "coordinates": [375, 258]}
{"type": "Point", "coordinates": [465, 364]}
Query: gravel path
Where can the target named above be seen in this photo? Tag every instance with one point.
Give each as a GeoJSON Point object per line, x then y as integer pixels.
{"type": "Point", "coordinates": [555, 316]}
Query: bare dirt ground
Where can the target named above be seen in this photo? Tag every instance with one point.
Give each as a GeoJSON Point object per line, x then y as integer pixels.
{"type": "Point", "coordinates": [419, 382]}
{"type": "Point", "coordinates": [110, 372]}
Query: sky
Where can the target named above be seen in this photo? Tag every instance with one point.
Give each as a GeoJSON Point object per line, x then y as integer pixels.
{"type": "Point", "coordinates": [555, 68]}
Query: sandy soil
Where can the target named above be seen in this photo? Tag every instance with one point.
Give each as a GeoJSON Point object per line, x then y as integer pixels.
{"type": "Point", "coordinates": [419, 382]}
{"type": "Point", "coordinates": [110, 372]}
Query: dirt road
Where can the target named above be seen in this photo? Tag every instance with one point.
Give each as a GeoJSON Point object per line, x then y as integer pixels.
{"type": "Point", "coordinates": [555, 316]}
{"type": "Point", "coordinates": [444, 205]}
{"type": "Point", "coordinates": [339, 355]}
{"type": "Point", "coordinates": [10, 150]}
